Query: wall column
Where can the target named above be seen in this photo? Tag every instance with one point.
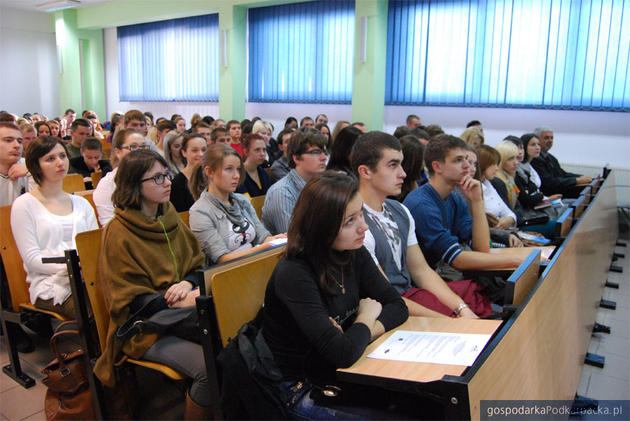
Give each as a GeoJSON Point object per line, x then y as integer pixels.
{"type": "Point", "coordinates": [74, 45]}
{"type": "Point", "coordinates": [232, 82]}
{"type": "Point", "coordinates": [368, 87]}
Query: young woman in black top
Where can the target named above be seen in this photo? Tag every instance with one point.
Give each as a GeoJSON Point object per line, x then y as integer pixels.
{"type": "Point", "coordinates": [192, 152]}
{"type": "Point", "coordinates": [257, 181]}
{"type": "Point", "coordinates": [326, 300]}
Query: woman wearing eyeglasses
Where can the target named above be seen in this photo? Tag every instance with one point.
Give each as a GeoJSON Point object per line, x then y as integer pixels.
{"type": "Point", "coordinates": [224, 222]}
{"type": "Point", "coordinates": [257, 181]}
{"type": "Point", "coordinates": [125, 141]}
{"type": "Point", "coordinates": [148, 261]}
{"type": "Point", "coordinates": [45, 221]}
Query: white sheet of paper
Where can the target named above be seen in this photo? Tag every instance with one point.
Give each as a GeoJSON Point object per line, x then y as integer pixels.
{"type": "Point", "coordinates": [432, 347]}
{"type": "Point", "coordinates": [278, 241]}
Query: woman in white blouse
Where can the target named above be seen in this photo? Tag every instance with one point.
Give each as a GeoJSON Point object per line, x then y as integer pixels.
{"type": "Point", "coordinates": [45, 221]}
{"type": "Point", "coordinates": [489, 159]}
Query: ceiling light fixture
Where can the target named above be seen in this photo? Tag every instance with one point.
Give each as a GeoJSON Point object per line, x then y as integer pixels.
{"type": "Point", "coordinates": [53, 6]}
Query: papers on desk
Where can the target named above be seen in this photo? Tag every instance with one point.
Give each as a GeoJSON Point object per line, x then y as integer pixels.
{"type": "Point", "coordinates": [278, 242]}
{"type": "Point", "coordinates": [432, 347]}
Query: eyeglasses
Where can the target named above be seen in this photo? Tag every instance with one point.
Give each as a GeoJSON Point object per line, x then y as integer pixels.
{"type": "Point", "coordinates": [135, 147]}
{"type": "Point", "coordinates": [159, 178]}
{"type": "Point", "coordinates": [316, 152]}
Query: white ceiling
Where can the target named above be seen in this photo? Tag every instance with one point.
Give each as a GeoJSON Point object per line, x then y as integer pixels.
{"type": "Point", "coordinates": [31, 4]}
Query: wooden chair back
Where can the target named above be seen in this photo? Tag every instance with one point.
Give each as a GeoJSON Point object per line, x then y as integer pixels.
{"type": "Point", "coordinates": [89, 248]}
{"type": "Point", "coordinates": [257, 203]}
{"type": "Point", "coordinates": [87, 194]}
{"type": "Point", "coordinates": [238, 293]}
{"type": "Point", "coordinates": [96, 177]}
{"type": "Point", "coordinates": [579, 206]}
{"type": "Point", "coordinates": [72, 183]}
{"type": "Point", "coordinates": [185, 217]}
{"type": "Point", "coordinates": [564, 223]}
{"type": "Point", "coordinates": [522, 281]}
{"type": "Point", "coordinates": [13, 265]}
{"type": "Point", "coordinates": [107, 149]}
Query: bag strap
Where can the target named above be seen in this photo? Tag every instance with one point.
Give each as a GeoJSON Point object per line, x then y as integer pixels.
{"type": "Point", "coordinates": [59, 334]}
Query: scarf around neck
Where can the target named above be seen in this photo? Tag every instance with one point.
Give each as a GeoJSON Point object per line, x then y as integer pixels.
{"type": "Point", "coordinates": [232, 211]}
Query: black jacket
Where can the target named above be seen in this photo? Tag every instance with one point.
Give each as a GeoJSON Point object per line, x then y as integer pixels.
{"type": "Point", "coordinates": [554, 178]}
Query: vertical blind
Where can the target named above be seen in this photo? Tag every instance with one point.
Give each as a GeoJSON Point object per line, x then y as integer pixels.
{"type": "Point", "coordinates": [173, 60]}
{"type": "Point", "coordinates": [571, 54]}
{"type": "Point", "coordinates": [301, 52]}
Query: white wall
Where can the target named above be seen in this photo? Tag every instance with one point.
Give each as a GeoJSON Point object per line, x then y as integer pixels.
{"type": "Point", "coordinates": [582, 138]}
{"type": "Point", "coordinates": [29, 70]}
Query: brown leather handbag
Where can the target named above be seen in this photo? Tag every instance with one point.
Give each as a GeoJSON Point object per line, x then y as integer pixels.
{"type": "Point", "coordinates": [68, 396]}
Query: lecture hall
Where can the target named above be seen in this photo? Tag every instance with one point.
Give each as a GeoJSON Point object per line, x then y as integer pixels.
{"type": "Point", "coordinates": [329, 209]}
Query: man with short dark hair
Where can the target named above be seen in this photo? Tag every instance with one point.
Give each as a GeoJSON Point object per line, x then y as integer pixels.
{"type": "Point", "coordinates": [554, 179]}
{"type": "Point", "coordinates": [307, 122]}
{"type": "Point", "coordinates": [79, 130]}
{"type": "Point", "coordinates": [413, 121]}
{"type": "Point", "coordinates": [14, 177]}
{"type": "Point", "coordinates": [307, 154]}
{"type": "Point", "coordinates": [443, 219]}
{"type": "Point", "coordinates": [66, 122]}
{"type": "Point", "coordinates": [136, 120]}
{"type": "Point", "coordinates": [203, 129]}
{"type": "Point", "coordinates": [376, 158]}
{"type": "Point", "coordinates": [89, 161]}
{"type": "Point", "coordinates": [321, 119]}
{"type": "Point", "coordinates": [359, 125]}
{"type": "Point", "coordinates": [220, 135]}
{"type": "Point", "coordinates": [280, 166]}
{"type": "Point", "coordinates": [234, 130]}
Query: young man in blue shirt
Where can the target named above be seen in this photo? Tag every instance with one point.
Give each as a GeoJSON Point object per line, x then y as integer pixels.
{"type": "Point", "coordinates": [391, 239]}
{"type": "Point", "coordinates": [443, 219]}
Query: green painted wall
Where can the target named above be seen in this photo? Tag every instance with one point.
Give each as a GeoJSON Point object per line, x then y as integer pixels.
{"type": "Point", "coordinates": [368, 86]}
{"type": "Point", "coordinates": [72, 43]}
{"type": "Point", "coordinates": [232, 95]}
{"type": "Point", "coordinates": [368, 91]}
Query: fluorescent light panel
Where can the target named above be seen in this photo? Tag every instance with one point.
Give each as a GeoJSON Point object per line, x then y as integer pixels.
{"type": "Point", "coordinates": [53, 6]}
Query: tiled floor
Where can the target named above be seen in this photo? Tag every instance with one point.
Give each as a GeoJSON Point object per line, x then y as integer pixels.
{"type": "Point", "coordinates": [612, 382]}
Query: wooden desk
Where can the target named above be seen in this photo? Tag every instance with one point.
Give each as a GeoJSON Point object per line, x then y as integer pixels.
{"type": "Point", "coordinates": [538, 353]}
{"type": "Point", "coordinates": [522, 253]}
{"type": "Point", "coordinates": [409, 371]}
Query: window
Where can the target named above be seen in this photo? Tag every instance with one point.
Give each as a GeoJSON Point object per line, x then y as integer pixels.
{"type": "Point", "coordinates": [301, 52]}
{"type": "Point", "coordinates": [533, 53]}
{"type": "Point", "coordinates": [173, 60]}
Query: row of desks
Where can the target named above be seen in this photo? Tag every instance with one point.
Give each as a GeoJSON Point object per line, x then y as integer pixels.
{"type": "Point", "coordinates": [538, 353]}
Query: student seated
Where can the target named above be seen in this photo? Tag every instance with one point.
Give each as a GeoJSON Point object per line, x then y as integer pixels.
{"type": "Point", "coordinates": [340, 150]}
{"type": "Point", "coordinates": [412, 164]}
{"type": "Point", "coordinates": [257, 181]}
{"type": "Point", "coordinates": [14, 177]}
{"type": "Point", "coordinates": [443, 219]}
{"type": "Point", "coordinates": [391, 238]}
{"type": "Point", "coordinates": [173, 141]}
{"type": "Point", "coordinates": [555, 180]}
{"type": "Point", "coordinates": [79, 131]}
{"type": "Point", "coordinates": [193, 149]}
{"type": "Point", "coordinates": [528, 180]}
{"type": "Point", "coordinates": [148, 261]}
{"type": "Point", "coordinates": [89, 161]}
{"type": "Point", "coordinates": [280, 166]}
{"type": "Point", "coordinates": [307, 155]}
{"type": "Point", "coordinates": [45, 221]}
{"type": "Point", "coordinates": [125, 141]}
{"type": "Point", "coordinates": [326, 300]}
{"type": "Point", "coordinates": [522, 202]}
{"type": "Point", "coordinates": [224, 222]}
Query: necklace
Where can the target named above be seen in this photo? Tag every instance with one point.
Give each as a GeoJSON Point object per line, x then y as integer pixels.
{"type": "Point", "coordinates": [341, 285]}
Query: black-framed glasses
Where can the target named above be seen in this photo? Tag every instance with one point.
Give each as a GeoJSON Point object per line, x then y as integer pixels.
{"type": "Point", "coordinates": [135, 147]}
{"type": "Point", "coordinates": [159, 178]}
{"type": "Point", "coordinates": [317, 152]}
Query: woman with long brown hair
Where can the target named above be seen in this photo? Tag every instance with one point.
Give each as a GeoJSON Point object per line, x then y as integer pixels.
{"type": "Point", "coordinates": [326, 300]}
